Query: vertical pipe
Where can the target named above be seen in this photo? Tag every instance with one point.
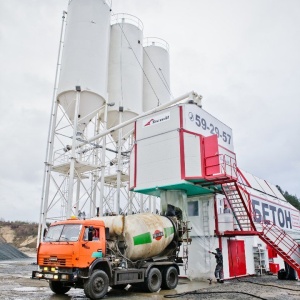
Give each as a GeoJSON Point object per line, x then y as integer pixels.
{"type": "Point", "coordinates": [150, 203]}
{"type": "Point", "coordinates": [103, 162]}
{"type": "Point", "coordinates": [154, 204]}
{"type": "Point", "coordinates": [73, 158]}
{"type": "Point", "coordinates": [119, 164]}
{"type": "Point", "coordinates": [49, 149]}
{"type": "Point", "coordinates": [216, 216]}
{"type": "Point", "coordinates": [95, 175]}
{"type": "Point", "coordinates": [130, 203]}
{"type": "Point", "coordinates": [78, 191]}
{"type": "Point", "coordinates": [141, 203]}
{"type": "Point", "coordinates": [77, 196]}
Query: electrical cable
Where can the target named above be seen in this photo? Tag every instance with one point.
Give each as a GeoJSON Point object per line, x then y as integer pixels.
{"type": "Point", "coordinates": [163, 79]}
{"type": "Point", "coordinates": [166, 83]}
{"type": "Point", "coordinates": [207, 293]}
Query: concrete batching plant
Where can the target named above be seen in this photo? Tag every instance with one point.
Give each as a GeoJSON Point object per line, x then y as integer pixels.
{"type": "Point", "coordinates": [117, 145]}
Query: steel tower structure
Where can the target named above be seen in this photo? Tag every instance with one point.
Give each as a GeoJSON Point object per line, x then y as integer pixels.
{"type": "Point", "coordinates": [86, 170]}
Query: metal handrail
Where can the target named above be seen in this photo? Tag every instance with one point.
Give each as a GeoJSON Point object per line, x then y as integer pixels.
{"type": "Point", "coordinates": [154, 41]}
{"type": "Point", "coordinates": [222, 163]}
{"type": "Point", "coordinates": [282, 240]}
{"type": "Point", "coordinates": [127, 18]}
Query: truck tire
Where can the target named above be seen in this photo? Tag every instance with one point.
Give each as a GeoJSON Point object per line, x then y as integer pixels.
{"type": "Point", "coordinates": [96, 286]}
{"type": "Point", "coordinates": [153, 280]}
{"type": "Point", "coordinates": [85, 288]}
{"type": "Point", "coordinates": [58, 288]}
{"type": "Point", "coordinates": [169, 278]}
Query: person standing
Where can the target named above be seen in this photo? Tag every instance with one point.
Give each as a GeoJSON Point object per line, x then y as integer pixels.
{"type": "Point", "coordinates": [219, 267]}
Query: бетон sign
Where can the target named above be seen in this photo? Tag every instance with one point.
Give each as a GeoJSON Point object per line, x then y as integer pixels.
{"type": "Point", "coordinates": [278, 215]}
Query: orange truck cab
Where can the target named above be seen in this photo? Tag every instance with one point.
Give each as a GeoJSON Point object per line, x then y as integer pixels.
{"type": "Point", "coordinates": [72, 244]}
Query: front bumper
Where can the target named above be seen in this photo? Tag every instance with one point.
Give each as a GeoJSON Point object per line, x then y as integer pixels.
{"type": "Point", "coordinates": [68, 277]}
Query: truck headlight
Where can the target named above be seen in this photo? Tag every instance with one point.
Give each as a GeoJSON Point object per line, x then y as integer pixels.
{"type": "Point", "coordinates": [64, 276]}
{"type": "Point", "coordinates": [55, 277]}
{"type": "Point", "coordinates": [53, 269]}
{"type": "Point", "coordinates": [46, 269]}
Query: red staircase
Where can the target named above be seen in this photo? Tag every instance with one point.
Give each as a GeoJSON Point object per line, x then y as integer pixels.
{"type": "Point", "coordinates": [221, 170]}
{"type": "Point", "coordinates": [239, 202]}
{"type": "Point", "coordinates": [284, 245]}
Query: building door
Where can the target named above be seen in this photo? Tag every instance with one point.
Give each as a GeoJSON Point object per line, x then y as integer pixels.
{"type": "Point", "coordinates": [236, 258]}
{"type": "Point", "coordinates": [211, 157]}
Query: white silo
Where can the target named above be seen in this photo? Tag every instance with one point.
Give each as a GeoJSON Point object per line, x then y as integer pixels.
{"type": "Point", "coordinates": [156, 90]}
{"type": "Point", "coordinates": [125, 75]}
{"type": "Point", "coordinates": [85, 58]}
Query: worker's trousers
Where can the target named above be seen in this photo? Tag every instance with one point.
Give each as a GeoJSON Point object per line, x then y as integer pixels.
{"type": "Point", "coordinates": [219, 271]}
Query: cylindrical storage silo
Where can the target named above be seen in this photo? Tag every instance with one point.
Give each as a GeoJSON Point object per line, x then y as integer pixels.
{"type": "Point", "coordinates": [85, 58]}
{"type": "Point", "coordinates": [156, 83]}
{"type": "Point", "coordinates": [145, 235]}
{"type": "Point", "coordinates": [125, 74]}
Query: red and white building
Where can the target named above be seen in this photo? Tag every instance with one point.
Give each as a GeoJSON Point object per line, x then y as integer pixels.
{"type": "Point", "coordinates": [186, 157]}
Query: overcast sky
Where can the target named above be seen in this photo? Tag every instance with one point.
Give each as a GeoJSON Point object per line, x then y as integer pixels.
{"type": "Point", "coordinates": [242, 56]}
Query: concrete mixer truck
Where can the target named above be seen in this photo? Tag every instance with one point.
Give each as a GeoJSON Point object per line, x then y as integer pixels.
{"type": "Point", "coordinates": [141, 250]}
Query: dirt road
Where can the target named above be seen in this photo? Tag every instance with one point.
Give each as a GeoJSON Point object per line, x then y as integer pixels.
{"type": "Point", "coordinates": [15, 283]}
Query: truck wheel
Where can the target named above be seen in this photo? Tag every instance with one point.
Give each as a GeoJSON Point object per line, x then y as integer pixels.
{"type": "Point", "coordinates": [58, 288]}
{"type": "Point", "coordinates": [85, 288]}
{"type": "Point", "coordinates": [169, 278]}
{"type": "Point", "coordinates": [153, 281]}
{"type": "Point", "coordinates": [97, 285]}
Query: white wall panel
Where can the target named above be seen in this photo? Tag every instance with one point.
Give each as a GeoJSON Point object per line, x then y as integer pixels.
{"type": "Point", "coordinates": [158, 160]}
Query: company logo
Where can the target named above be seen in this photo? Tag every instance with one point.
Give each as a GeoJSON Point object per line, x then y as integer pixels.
{"type": "Point", "coordinates": [157, 235]}
{"type": "Point", "coordinates": [157, 119]}
{"type": "Point", "coordinates": [191, 116]}
{"type": "Point", "coordinates": [149, 122]}
{"type": "Point", "coordinates": [52, 258]}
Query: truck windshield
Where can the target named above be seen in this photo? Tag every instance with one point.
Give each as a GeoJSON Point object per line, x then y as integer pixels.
{"type": "Point", "coordinates": [63, 233]}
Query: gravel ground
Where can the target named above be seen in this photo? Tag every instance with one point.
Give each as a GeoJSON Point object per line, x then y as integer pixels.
{"type": "Point", "coordinates": [15, 284]}
{"type": "Point", "coordinates": [262, 287]}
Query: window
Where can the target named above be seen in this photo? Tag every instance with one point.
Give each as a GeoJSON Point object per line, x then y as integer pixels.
{"type": "Point", "coordinates": [193, 209]}
{"type": "Point", "coordinates": [95, 234]}
{"type": "Point", "coordinates": [63, 233]}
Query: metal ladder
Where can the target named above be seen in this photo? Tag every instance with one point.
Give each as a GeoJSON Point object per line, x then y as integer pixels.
{"type": "Point", "coordinates": [284, 245]}
{"type": "Point", "coordinates": [186, 241]}
{"type": "Point", "coordinates": [239, 203]}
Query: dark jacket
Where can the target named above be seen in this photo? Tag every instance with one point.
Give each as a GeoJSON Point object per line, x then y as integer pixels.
{"type": "Point", "coordinates": [219, 257]}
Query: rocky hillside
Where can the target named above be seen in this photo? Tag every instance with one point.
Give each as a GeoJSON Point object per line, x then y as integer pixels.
{"type": "Point", "coordinates": [21, 235]}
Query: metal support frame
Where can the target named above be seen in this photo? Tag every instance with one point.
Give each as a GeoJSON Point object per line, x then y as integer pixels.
{"type": "Point", "coordinates": [78, 171]}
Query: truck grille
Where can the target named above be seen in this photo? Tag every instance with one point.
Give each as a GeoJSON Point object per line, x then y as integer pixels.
{"type": "Point", "coordinates": [59, 262]}
{"type": "Point", "coordinates": [56, 262]}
